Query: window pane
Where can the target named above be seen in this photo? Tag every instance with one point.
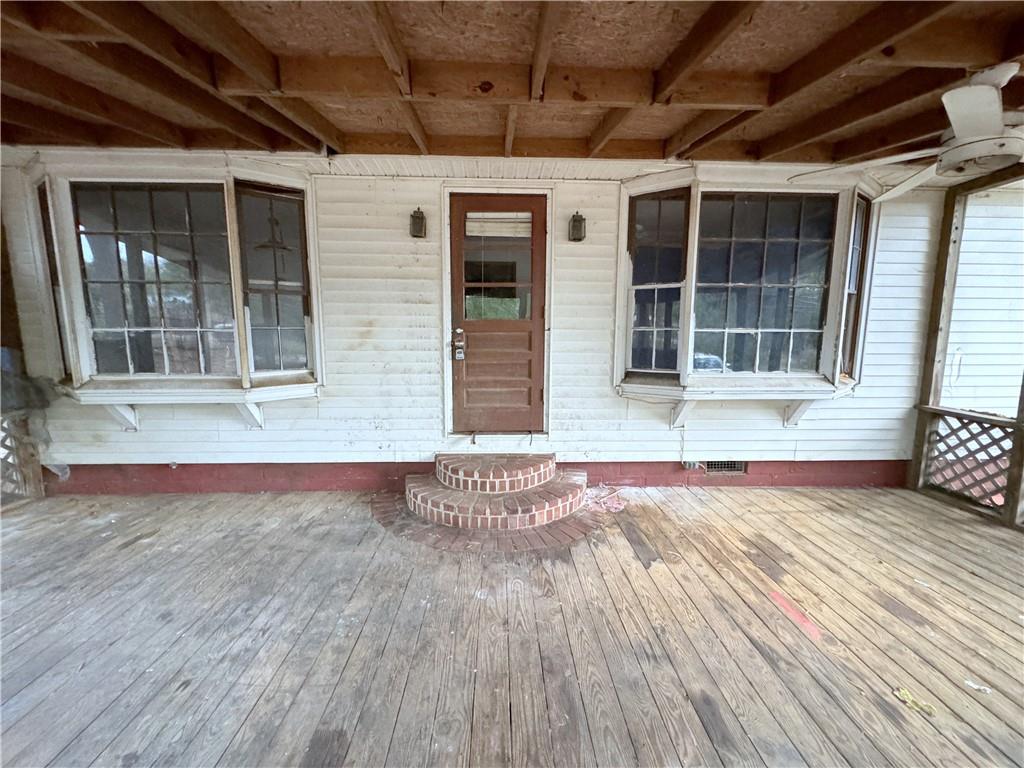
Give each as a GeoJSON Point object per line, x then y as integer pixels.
{"type": "Point", "coordinates": [774, 351]}
{"type": "Point", "coordinates": [265, 352]}
{"type": "Point", "coordinates": [643, 350]}
{"type": "Point", "coordinates": [136, 255]}
{"type": "Point", "coordinates": [784, 217]}
{"type": "Point", "coordinates": [740, 351]}
{"type": "Point", "coordinates": [288, 213]}
{"type": "Point", "coordinates": [217, 311]}
{"type": "Point", "coordinates": [169, 210]}
{"type": "Point", "coordinates": [808, 308]}
{"type": "Point", "coordinates": [780, 263]}
{"type": "Point", "coordinates": [212, 258]}
{"type": "Point", "coordinates": [707, 351]}
{"type": "Point", "coordinates": [744, 307]}
{"type": "Point", "coordinates": [497, 259]}
{"type": "Point", "coordinates": [715, 216]}
{"type": "Point", "coordinates": [666, 346]}
{"type": "Point", "coordinates": [174, 257]}
{"type": "Point", "coordinates": [645, 221]}
{"type": "Point", "coordinates": [263, 309]}
{"type": "Point", "coordinates": [713, 262]}
{"type": "Point", "coordinates": [219, 353]}
{"type": "Point", "coordinates": [147, 351]}
{"type": "Point", "coordinates": [105, 305]}
{"type": "Point", "coordinates": [818, 218]}
{"type": "Point", "coordinates": [747, 259]}
{"type": "Point", "coordinates": [291, 311]}
{"type": "Point", "coordinates": [806, 347]}
{"type": "Point", "coordinates": [644, 265]}
{"type": "Point", "coordinates": [95, 213]}
{"type": "Point", "coordinates": [111, 352]}
{"type": "Point", "coordinates": [749, 217]}
{"type": "Point", "coordinates": [643, 308]}
{"type": "Point", "coordinates": [812, 263]}
{"type": "Point", "coordinates": [494, 303]}
{"type": "Point", "coordinates": [132, 208]}
{"type": "Point", "coordinates": [206, 209]}
{"type": "Point", "coordinates": [143, 302]}
{"type": "Point", "coordinates": [289, 268]}
{"type": "Point", "coordinates": [670, 265]}
{"type": "Point", "coordinates": [182, 351]}
{"type": "Point", "coordinates": [710, 307]}
{"type": "Point", "coordinates": [673, 221]}
{"type": "Point", "coordinates": [776, 307]}
{"type": "Point", "coordinates": [259, 267]}
{"type": "Point", "coordinates": [667, 313]}
{"type": "Point", "coordinates": [179, 305]}
{"type": "Point", "coordinates": [255, 221]}
{"type": "Point", "coordinates": [293, 349]}
{"type": "Point", "coordinates": [99, 253]}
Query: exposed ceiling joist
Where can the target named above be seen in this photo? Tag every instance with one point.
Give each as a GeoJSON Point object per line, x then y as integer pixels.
{"type": "Point", "coordinates": [60, 126]}
{"type": "Point", "coordinates": [701, 126]}
{"type": "Point", "coordinates": [610, 123]}
{"type": "Point", "coordinates": [414, 126]}
{"type": "Point", "coordinates": [389, 43]}
{"type": "Point", "coordinates": [868, 105]}
{"type": "Point", "coordinates": [29, 80]}
{"type": "Point", "coordinates": [510, 128]}
{"type": "Point", "coordinates": [947, 43]}
{"type": "Point", "coordinates": [703, 39]}
{"type": "Point", "coordinates": [60, 22]}
{"type": "Point", "coordinates": [881, 27]}
{"type": "Point", "coordinates": [493, 146]}
{"type": "Point", "coordinates": [550, 17]}
{"type": "Point", "coordinates": [309, 119]}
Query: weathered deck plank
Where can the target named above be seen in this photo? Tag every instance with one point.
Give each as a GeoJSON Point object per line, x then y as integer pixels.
{"type": "Point", "coordinates": [700, 627]}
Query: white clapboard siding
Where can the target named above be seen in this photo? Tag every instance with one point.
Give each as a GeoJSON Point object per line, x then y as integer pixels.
{"type": "Point", "coordinates": [985, 360]}
{"type": "Point", "coordinates": [384, 393]}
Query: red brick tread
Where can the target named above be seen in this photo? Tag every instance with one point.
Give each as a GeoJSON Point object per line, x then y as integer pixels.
{"type": "Point", "coordinates": [494, 472]}
{"type": "Point", "coordinates": [543, 504]}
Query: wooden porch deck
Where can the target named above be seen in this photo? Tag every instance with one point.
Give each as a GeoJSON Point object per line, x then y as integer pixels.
{"type": "Point", "coordinates": [712, 627]}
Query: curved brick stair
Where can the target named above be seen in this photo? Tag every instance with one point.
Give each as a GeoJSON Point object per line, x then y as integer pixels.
{"type": "Point", "coordinates": [495, 492]}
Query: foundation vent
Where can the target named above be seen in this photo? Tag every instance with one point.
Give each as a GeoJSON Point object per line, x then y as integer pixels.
{"type": "Point", "coordinates": [725, 467]}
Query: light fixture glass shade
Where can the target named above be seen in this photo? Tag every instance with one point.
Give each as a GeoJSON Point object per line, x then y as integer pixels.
{"type": "Point", "coordinates": [417, 224]}
{"type": "Point", "coordinates": [577, 228]}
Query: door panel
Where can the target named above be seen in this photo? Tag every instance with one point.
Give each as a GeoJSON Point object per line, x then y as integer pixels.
{"type": "Point", "coordinates": [498, 269]}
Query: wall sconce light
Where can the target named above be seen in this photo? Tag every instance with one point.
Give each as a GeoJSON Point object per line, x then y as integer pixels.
{"type": "Point", "coordinates": [577, 228]}
{"type": "Point", "coordinates": [417, 224]}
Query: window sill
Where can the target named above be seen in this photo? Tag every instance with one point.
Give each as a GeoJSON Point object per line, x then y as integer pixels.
{"type": "Point", "coordinates": [121, 397]}
{"type": "Point", "coordinates": [799, 392]}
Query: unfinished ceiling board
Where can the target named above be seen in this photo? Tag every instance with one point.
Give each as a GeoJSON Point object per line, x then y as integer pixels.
{"type": "Point", "coordinates": [558, 122]}
{"type": "Point", "coordinates": [462, 119]}
{"type": "Point", "coordinates": [467, 31]}
{"type": "Point", "coordinates": [655, 122]}
{"type": "Point", "coordinates": [306, 28]}
{"type": "Point", "coordinates": [369, 116]}
{"type": "Point", "coordinates": [622, 34]}
{"type": "Point", "coordinates": [780, 33]}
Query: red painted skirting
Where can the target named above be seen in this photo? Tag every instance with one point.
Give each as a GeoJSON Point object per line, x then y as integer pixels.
{"type": "Point", "coordinates": [252, 478]}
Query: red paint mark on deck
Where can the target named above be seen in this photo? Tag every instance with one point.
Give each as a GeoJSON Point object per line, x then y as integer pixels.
{"type": "Point", "coordinates": [809, 627]}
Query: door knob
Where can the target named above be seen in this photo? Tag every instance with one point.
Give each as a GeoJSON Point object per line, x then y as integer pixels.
{"type": "Point", "coordinates": [458, 330]}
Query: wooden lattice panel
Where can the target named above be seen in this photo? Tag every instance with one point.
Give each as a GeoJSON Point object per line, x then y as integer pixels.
{"type": "Point", "coordinates": [970, 458]}
{"type": "Point", "coordinates": [14, 482]}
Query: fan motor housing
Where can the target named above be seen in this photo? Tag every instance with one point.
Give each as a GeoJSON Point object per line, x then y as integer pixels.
{"type": "Point", "coordinates": [980, 156]}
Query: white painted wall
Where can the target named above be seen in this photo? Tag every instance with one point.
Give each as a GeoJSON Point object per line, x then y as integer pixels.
{"type": "Point", "coordinates": [383, 398]}
{"type": "Point", "coordinates": [985, 361]}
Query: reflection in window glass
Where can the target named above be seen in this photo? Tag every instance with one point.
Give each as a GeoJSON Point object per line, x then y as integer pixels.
{"type": "Point", "coordinates": [154, 261]}
{"type": "Point", "coordinates": [657, 247]}
{"type": "Point", "coordinates": [762, 281]}
{"type": "Point", "coordinates": [276, 287]}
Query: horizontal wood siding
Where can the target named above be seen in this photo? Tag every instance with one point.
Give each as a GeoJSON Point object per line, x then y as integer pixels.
{"type": "Point", "coordinates": [384, 396]}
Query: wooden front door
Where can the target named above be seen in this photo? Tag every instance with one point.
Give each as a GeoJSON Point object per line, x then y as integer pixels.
{"type": "Point", "coordinates": [498, 270]}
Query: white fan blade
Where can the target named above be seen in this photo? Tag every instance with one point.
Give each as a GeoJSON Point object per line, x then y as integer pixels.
{"type": "Point", "coordinates": [974, 110]}
{"type": "Point", "coordinates": [921, 177]}
{"type": "Point", "coordinates": [864, 164]}
{"type": "Point", "coordinates": [997, 76]}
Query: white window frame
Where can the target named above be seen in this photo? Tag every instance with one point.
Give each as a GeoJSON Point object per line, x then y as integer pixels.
{"type": "Point", "coordinates": [825, 383]}
{"type": "Point", "coordinates": [123, 390]}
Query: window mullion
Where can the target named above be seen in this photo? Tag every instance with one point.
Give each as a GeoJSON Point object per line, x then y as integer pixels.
{"type": "Point", "coordinates": [243, 347]}
{"type": "Point", "coordinates": [689, 287]}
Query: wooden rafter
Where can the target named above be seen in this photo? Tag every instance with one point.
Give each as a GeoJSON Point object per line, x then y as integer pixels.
{"type": "Point", "coordinates": [389, 43]}
{"type": "Point", "coordinates": [414, 126]}
{"type": "Point", "coordinates": [31, 81]}
{"type": "Point", "coordinates": [309, 119]}
{"type": "Point", "coordinates": [865, 106]}
{"type": "Point", "coordinates": [881, 27]}
{"type": "Point", "coordinates": [550, 17]}
{"type": "Point", "coordinates": [510, 128]}
{"type": "Point", "coordinates": [63, 128]}
{"type": "Point", "coordinates": [701, 126]}
{"type": "Point", "coordinates": [610, 123]}
{"type": "Point", "coordinates": [947, 44]}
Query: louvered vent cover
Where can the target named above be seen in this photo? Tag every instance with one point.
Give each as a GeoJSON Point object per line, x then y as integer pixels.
{"type": "Point", "coordinates": [726, 467]}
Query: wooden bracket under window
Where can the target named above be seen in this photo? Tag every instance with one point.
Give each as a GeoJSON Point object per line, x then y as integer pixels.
{"type": "Point", "coordinates": [794, 412]}
{"type": "Point", "coordinates": [126, 416]}
{"type": "Point", "coordinates": [681, 412]}
{"type": "Point", "coordinates": [252, 414]}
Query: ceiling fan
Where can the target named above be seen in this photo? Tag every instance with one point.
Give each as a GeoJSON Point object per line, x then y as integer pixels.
{"type": "Point", "coordinates": [981, 137]}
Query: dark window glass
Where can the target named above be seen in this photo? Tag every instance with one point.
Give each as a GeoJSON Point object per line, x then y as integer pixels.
{"type": "Point", "coordinates": [154, 260]}
{"type": "Point", "coordinates": [657, 247]}
{"type": "Point", "coordinates": [276, 282]}
{"type": "Point", "coordinates": [762, 272]}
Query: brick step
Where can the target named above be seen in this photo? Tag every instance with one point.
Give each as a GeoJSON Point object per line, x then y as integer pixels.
{"type": "Point", "coordinates": [494, 472]}
{"type": "Point", "coordinates": [429, 498]}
